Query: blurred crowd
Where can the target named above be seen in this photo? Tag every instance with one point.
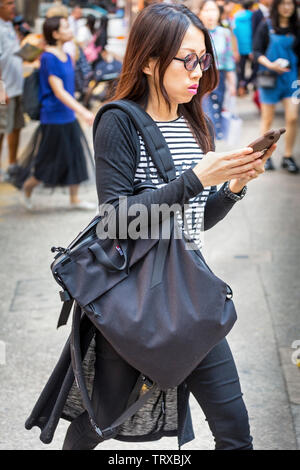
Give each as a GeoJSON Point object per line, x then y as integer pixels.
{"type": "Point", "coordinates": [258, 52]}
{"type": "Point", "coordinates": [53, 78]}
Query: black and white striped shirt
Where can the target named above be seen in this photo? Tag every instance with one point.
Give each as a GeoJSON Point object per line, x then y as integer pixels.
{"type": "Point", "coordinates": [117, 145]}
{"type": "Point", "coordinates": [186, 154]}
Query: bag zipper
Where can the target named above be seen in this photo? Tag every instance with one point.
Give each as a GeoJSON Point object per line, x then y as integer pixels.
{"type": "Point", "coordinates": [73, 245]}
{"type": "Point", "coordinates": [65, 252]}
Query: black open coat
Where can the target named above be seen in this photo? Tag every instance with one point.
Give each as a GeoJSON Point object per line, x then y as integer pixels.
{"type": "Point", "coordinates": [60, 397]}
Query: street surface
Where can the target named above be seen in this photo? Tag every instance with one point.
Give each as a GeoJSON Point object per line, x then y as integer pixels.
{"type": "Point", "coordinates": [256, 249]}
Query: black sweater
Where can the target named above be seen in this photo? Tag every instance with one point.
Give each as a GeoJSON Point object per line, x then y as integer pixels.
{"type": "Point", "coordinates": [116, 149]}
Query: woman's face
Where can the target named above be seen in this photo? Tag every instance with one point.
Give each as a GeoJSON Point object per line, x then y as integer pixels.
{"type": "Point", "coordinates": [210, 14]}
{"type": "Point", "coordinates": [177, 80]}
{"type": "Point", "coordinates": [64, 32]}
{"type": "Point", "coordinates": [286, 8]}
{"type": "Point", "coordinates": [228, 7]}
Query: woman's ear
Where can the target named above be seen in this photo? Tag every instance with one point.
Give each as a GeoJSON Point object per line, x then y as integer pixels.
{"type": "Point", "coordinates": [148, 69]}
{"type": "Point", "coordinates": [55, 35]}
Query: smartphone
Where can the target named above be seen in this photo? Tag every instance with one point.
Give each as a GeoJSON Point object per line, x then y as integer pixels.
{"type": "Point", "coordinates": [284, 63]}
{"type": "Point", "coordinates": [268, 139]}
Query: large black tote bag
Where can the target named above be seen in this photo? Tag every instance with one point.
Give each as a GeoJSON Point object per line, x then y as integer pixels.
{"type": "Point", "coordinates": [156, 301]}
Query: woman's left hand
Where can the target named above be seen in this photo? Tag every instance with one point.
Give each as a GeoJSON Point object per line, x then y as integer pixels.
{"type": "Point", "coordinates": [237, 184]}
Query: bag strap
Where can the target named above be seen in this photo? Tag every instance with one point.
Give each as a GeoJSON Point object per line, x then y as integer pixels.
{"type": "Point", "coordinates": [66, 308]}
{"type": "Point", "coordinates": [159, 152]}
{"type": "Point", "coordinates": [270, 26]}
{"type": "Point", "coordinates": [154, 140]}
{"type": "Point", "coordinates": [133, 404]}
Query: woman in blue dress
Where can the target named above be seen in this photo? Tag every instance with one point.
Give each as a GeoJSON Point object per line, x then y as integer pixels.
{"type": "Point", "coordinates": [60, 148]}
{"type": "Point", "coordinates": [276, 47]}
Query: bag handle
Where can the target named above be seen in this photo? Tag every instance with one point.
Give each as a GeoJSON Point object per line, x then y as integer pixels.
{"type": "Point", "coordinates": [76, 359]}
{"type": "Point", "coordinates": [103, 258]}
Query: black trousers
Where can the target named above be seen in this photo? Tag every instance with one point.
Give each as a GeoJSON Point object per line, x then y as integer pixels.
{"type": "Point", "coordinates": [214, 383]}
{"type": "Point", "coordinates": [241, 71]}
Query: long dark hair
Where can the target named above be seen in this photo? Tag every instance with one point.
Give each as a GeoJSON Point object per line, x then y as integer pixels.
{"type": "Point", "coordinates": [293, 20]}
{"type": "Point", "coordinates": [101, 39]}
{"type": "Point", "coordinates": [158, 32]}
{"type": "Point", "coordinates": [90, 22]}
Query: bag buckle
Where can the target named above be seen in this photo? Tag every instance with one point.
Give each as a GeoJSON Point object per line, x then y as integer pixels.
{"type": "Point", "coordinates": [229, 294]}
{"type": "Point", "coordinates": [106, 433]}
{"type": "Point", "coordinates": [147, 382]}
{"type": "Point", "coordinates": [64, 295]}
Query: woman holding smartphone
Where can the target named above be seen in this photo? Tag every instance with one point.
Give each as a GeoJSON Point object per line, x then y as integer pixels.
{"type": "Point", "coordinates": [276, 47]}
{"type": "Point", "coordinates": [167, 77]}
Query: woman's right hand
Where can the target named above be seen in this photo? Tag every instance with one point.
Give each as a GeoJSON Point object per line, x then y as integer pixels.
{"type": "Point", "coordinates": [87, 116]}
{"type": "Point", "coordinates": [275, 67]}
{"type": "Point", "coordinates": [216, 168]}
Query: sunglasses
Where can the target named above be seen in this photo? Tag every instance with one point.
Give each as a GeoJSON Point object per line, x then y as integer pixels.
{"type": "Point", "coordinates": [192, 60]}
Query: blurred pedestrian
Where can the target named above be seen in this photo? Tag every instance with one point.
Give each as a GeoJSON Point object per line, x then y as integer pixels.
{"type": "Point", "coordinates": [226, 20]}
{"type": "Point", "coordinates": [103, 32]}
{"type": "Point", "coordinates": [100, 39]}
{"type": "Point", "coordinates": [60, 155]}
{"type": "Point", "coordinates": [83, 71]}
{"type": "Point", "coordinates": [106, 65]}
{"type": "Point", "coordinates": [86, 31]}
{"type": "Point", "coordinates": [21, 27]}
{"type": "Point", "coordinates": [209, 14]}
{"type": "Point", "coordinates": [75, 22]}
{"type": "Point", "coordinates": [57, 10]}
{"type": "Point", "coordinates": [93, 48]}
{"type": "Point", "coordinates": [262, 12]}
{"type": "Point", "coordinates": [107, 71]}
{"type": "Point", "coordinates": [74, 19]}
{"type": "Point", "coordinates": [69, 47]}
{"type": "Point", "coordinates": [226, 8]}
{"type": "Point", "coordinates": [277, 49]}
{"type": "Point", "coordinates": [98, 42]}
{"type": "Point", "coordinates": [11, 73]}
{"type": "Point", "coordinates": [242, 28]}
